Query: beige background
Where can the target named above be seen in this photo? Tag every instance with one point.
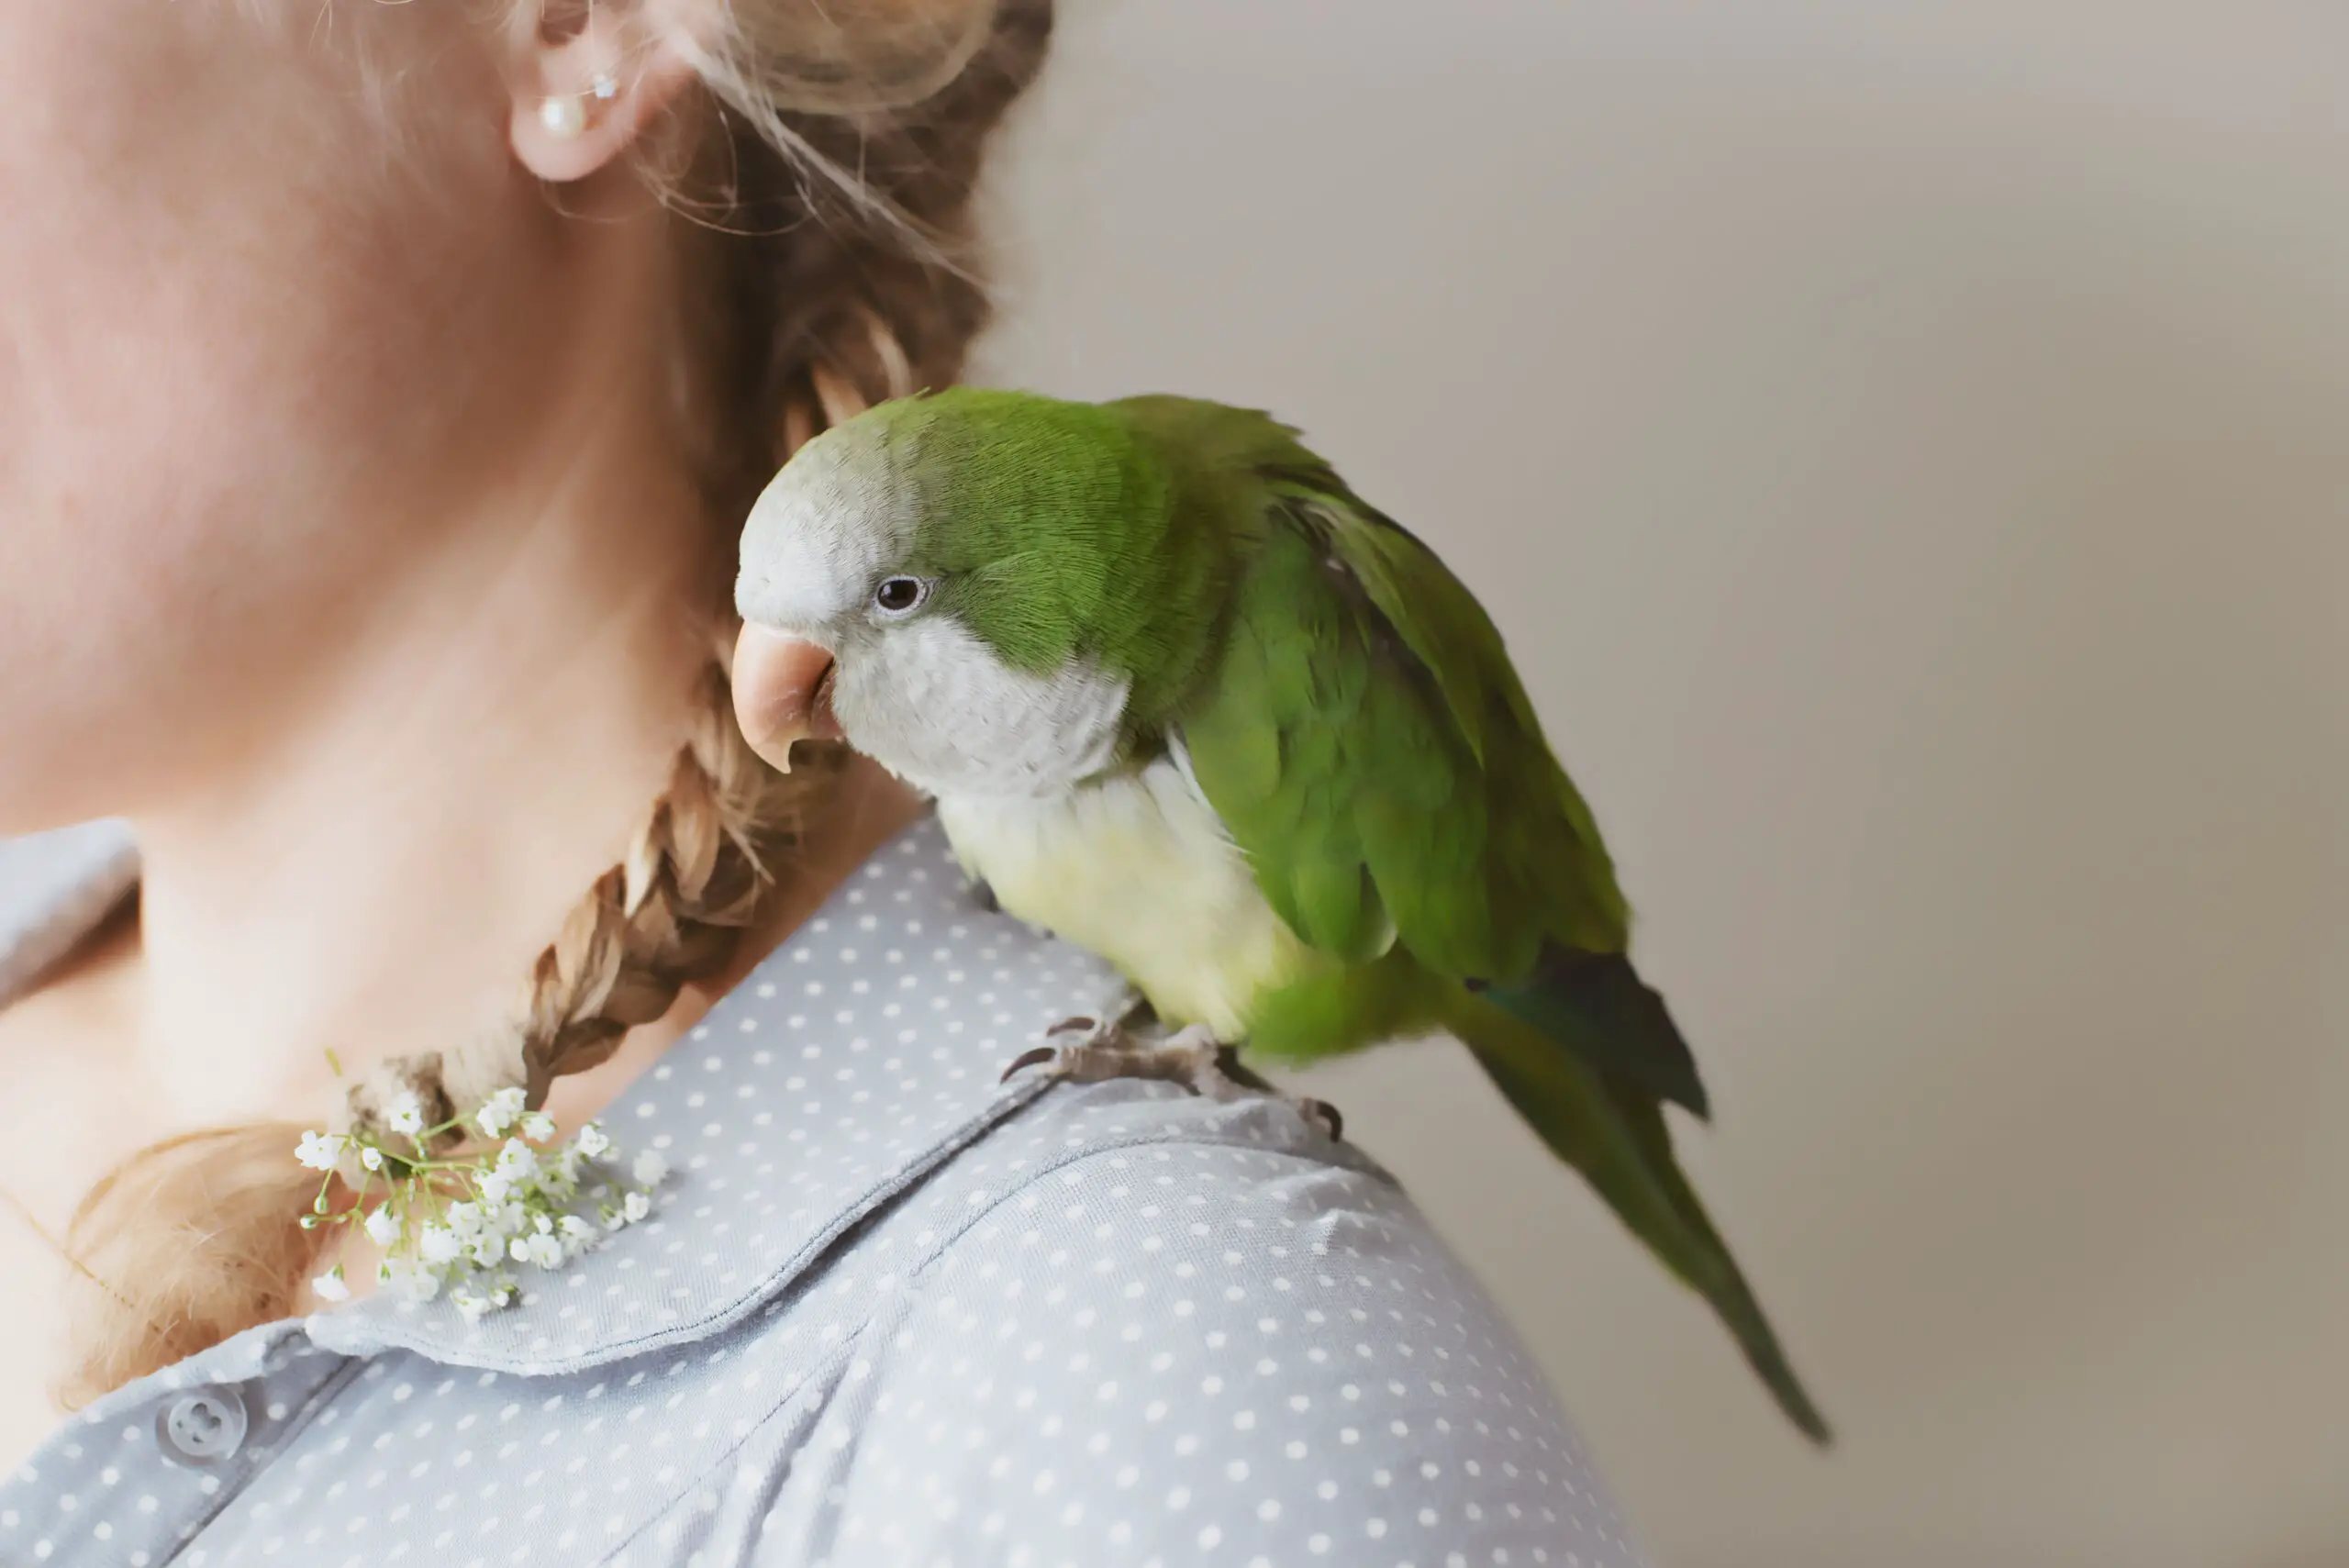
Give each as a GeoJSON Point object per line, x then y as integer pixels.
{"type": "Point", "coordinates": [1908, 447]}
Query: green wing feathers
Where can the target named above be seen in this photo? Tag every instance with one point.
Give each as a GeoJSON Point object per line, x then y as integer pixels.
{"type": "Point", "coordinates": [1366, 741]}
{"type": "Point", "coordinates": [1596, 1005]}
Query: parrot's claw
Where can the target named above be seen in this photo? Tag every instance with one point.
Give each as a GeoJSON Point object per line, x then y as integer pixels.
{"type": "Point", "coordinates": [1192, 1057]}
{"type": "Point", "coordinates": [1326, 1114]}
{"type": "Point", "coordinates": [1028, 1059]}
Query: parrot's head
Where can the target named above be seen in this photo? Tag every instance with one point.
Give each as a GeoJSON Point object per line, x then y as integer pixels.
{"type": "Point", "coordinates": [953, 584]}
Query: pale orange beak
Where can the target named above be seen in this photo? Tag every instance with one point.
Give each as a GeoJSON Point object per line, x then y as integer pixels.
{"type": "Point", "coordinates": [782, 693]}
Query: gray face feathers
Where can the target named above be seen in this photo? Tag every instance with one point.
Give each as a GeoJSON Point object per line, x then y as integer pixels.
{"type": "Point", "coordinates": [831, 560]}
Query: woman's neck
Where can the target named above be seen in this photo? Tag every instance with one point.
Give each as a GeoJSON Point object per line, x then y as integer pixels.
{"type": "Point", "coordinates": [384, 878]}
{"type": "Point", "coordinates": [377, 871]}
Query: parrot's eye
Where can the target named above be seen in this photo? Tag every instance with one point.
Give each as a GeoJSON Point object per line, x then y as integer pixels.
{"type": "Point", "coordinates": [899, 595]}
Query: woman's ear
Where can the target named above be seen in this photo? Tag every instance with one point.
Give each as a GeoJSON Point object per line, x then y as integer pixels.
{"type": "Point", "coordinates": [587, 79]}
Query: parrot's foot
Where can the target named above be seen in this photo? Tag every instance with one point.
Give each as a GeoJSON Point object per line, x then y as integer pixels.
{"type": "Point", "coordinates": [1191, 1057]}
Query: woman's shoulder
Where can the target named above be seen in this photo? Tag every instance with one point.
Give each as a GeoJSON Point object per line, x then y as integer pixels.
{"type": "Point", "coordinates": [1100, 1322]}
{"type": "Point", "coordinates": [1175, 1324]}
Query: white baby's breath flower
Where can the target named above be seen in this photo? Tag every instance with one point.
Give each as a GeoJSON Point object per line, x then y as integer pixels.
{"type": "Point", "coordinates": [413, 1283]}
{"type": "Point", "coordinates": [517, 1161]}
{"type": "Point", "coordinates": [499, 1112]}
{"type": "Point", "coordinates": [438, 1245]}
{"type": "Point", "coordinates": [406, 1115]}
{"type": "Point", "coordinates": [320, 1150]}
{"type": "Point", "coordinates": [479, 1211]}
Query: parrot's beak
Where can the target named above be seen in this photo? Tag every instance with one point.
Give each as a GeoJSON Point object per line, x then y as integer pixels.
{"type": "Point", "coordinates": [782, 693]}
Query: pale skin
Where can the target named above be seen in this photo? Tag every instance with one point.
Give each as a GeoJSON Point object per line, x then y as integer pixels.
{"type": "Point", "coordinates": [348, 513]}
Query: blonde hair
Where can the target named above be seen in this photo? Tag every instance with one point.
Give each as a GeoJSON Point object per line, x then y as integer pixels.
{"type": "Point", "coordinates": [839, 159]}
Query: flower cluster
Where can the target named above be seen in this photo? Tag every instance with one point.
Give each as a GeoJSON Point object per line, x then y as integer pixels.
{"type": "Point", "coordinates": [462, 1222]}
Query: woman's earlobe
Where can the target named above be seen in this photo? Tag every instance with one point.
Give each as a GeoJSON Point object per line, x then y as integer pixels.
{"type": "Point", "coordinates": [595, 111]}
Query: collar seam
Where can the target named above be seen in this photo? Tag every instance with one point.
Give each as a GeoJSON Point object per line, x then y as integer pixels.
{"type": "Point", "coordinates": [905, 1178]}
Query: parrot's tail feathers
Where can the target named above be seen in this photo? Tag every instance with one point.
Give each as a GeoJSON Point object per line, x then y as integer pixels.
{"type": "Point", "coordinates": [1595, 1005]}
{"type": "Point", "coordinates": [1725, 1285]}
{"type": "Point", "coordinates": [1617, 1140]}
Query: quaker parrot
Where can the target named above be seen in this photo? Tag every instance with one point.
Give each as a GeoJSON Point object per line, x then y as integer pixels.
{"type": "Point", "coordinates": [1184, 698]}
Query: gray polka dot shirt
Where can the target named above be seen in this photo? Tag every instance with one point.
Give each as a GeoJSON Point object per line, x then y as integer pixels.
{"type": "Point", "coordinates": [889, 1312]}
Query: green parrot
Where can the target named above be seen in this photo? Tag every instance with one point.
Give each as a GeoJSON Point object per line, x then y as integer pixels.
{"type": "Point", "coordinates": [1184, 698]}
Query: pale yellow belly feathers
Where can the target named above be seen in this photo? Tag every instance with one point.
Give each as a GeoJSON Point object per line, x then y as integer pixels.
{"type": "Point", "coordinates": [1141, 872]}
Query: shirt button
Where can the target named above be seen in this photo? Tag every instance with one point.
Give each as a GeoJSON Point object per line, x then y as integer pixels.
{"type": "Point", "coordinates": [204, 1427]}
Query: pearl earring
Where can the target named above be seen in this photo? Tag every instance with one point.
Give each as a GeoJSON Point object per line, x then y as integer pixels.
{"type": "Point", "coordinates": [565, 117]}
{"type": "Point", "coordinates": [604, 86]}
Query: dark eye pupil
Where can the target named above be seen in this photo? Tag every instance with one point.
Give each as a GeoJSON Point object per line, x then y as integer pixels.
{"type": "Point", "coordinates": [899, 593]}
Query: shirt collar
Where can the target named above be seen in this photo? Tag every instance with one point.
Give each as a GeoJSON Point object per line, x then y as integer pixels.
{"type": "Point", "coordinates": [55, 887]}
{"type": "Point", "coordinates": [859, 1055]}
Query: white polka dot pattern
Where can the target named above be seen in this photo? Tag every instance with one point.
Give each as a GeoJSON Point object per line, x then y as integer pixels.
{"type": "Point", "coordinates": [890, 1313]}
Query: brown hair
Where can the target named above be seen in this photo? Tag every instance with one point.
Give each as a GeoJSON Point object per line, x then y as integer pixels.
{"type": "Point", "coordinates": [838, 160]}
